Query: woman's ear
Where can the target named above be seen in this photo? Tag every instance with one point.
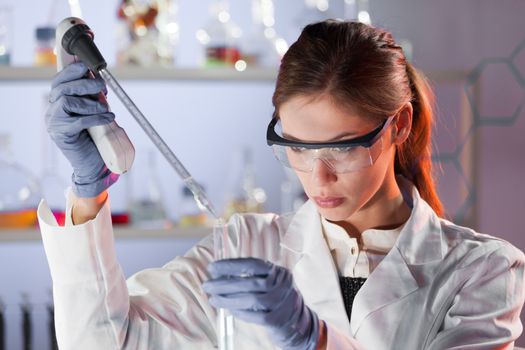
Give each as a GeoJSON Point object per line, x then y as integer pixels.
{"type": "Point", "coordinates": [403, 124]}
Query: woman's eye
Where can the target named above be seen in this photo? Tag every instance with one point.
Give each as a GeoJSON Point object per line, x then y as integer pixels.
{"type": "Point", "coordinates": [298, 149]}
{"type": "Point", "coordinates": [341, 149]}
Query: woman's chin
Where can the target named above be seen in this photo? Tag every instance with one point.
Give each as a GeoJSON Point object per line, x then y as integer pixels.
{"type": "Point", "coordinates": [335, 214]}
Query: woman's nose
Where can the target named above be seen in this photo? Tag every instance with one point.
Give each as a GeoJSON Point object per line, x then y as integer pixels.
{"type": "Point", "coordinates": [323, 172]}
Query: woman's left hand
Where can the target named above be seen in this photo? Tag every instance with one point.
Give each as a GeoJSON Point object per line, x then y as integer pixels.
{"type": "Point", "coordinates": [260, 292]}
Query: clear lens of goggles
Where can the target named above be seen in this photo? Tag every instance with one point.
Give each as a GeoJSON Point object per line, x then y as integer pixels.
{"type": "Point", "coordinates": [339, 160]}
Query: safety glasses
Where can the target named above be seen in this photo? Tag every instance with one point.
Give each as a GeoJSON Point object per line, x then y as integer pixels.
{"type": "Point", "coordinates": [340, 156]}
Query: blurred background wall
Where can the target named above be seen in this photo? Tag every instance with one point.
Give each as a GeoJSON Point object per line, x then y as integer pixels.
{"type": "Point", "coordinates": [472, 50]}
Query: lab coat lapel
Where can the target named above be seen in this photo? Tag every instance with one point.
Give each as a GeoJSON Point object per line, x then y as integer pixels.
{"type": "Point", "coordinates": [390, 281]}
{"type": "Point", "coordinates": [420, 243]}
{"type": "Point", "coordinates": [314, 272]}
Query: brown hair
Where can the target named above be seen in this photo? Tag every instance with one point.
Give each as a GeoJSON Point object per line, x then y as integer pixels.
{"type": "Point", "coordinates": [360, 65]}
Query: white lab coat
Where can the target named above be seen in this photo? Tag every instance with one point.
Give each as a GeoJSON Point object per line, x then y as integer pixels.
{"type": "Point", "coordinates": [441, 287]}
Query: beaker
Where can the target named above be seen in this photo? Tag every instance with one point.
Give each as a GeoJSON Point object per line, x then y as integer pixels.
{"type": "Point", "coordinates": [19, 190]}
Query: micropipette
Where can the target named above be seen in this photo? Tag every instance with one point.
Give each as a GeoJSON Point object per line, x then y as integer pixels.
{"type": "Point", "coordinates": [77, 40]}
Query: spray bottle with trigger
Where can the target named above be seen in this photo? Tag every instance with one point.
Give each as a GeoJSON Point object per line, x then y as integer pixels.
{"type": "Point", "coordinates": [111, 140]}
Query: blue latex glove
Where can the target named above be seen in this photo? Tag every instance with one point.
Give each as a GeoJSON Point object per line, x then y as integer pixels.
{"type": "Point", "coordinates": [260, 292]}
{"type": "Point", "coordinates": [73, 107]}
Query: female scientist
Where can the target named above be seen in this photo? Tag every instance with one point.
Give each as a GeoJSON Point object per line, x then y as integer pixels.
{"type": "Point", "coordinates": [366, 263]}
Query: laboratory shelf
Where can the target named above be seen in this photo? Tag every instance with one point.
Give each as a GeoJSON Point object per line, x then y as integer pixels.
{"type": "Point", "coordinates": [20, 235]}
{"type": "Point", "coordinates": [19, 73]}
{"type": "Point", "coordinates": [153, 73]}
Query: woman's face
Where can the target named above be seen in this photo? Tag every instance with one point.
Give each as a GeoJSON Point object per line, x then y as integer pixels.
{"type": "Point", "coordinates": [337, 196]}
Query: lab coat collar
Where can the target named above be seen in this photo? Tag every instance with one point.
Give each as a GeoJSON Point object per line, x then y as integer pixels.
{"type": "Point", "coordinates": [420, 242]}
{"type": "Point", "coordinates": [421, 239]}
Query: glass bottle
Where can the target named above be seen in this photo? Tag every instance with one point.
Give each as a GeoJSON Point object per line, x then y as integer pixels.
{"type": "Point", "coordinates": [45, 46]}
{"type": "Point", "coordinates": [147, 32]}
{"type": "Point", "coordinates": [167, 24]}
{"type": "Point", "coordinates": [146, 205]}
{"type": "Point", "coordinates": [262, 46]}
{"type": "Point", "coordinates": [244, 195]}
{"type": "Point", "coordinates": [220, 37]}
{"type": "Point", "coordinates": [19, 190]}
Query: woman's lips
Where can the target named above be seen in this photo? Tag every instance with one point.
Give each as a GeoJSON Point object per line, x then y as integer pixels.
{"type": "Point", "coordinates": [329, 202]}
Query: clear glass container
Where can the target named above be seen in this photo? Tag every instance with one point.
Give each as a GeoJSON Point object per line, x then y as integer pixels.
{"type": "Point", "coordinates": [262, 46]}
{"type": "Point", "coordinates": [145, 204]}
{"type": "Point", "coordinates": [220, 37]}
{"type": "Point", "coordinates": [244, 196]}
{"type": "Point", "coordinates": [45, 46]}
{"type": "Point", "coordinates": [19, 190]}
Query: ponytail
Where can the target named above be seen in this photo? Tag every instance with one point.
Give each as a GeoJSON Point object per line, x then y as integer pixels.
{"type": "Point", "coordinates": [414, 156]}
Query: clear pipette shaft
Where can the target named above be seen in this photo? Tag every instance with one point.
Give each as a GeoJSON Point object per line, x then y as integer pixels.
{"type": "Point", "coordinates": [195, 188]}
{"type": "Point", "coordinates": [225, 319]}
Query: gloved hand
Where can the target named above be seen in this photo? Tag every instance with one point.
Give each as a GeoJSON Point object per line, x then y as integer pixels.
{"type": "Point", "coordinates": [74, 107]}
{"type": "Point", "coordinates": [260, 292]}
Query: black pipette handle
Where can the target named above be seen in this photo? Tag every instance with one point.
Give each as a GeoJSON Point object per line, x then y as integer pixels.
{"type": "Point", "coordinates": [78, 41]}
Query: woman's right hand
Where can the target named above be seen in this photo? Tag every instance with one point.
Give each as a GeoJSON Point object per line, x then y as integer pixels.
{"type": "Point", "coordinates": [74, 107]}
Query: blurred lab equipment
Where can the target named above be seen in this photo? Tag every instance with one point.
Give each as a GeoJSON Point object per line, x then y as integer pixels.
{"type": "Point", "coordinates": [145, 204]}
{"type": "Point", "coordinates": [315, 11]}
{"type": "Point", "coordinates": [357, 10]}
{"type": "Point", "coordinates": [111, 140]}
{"type": "Point", "coordinates": [262, 46]}
{"type": "Point", "coordinates": [220, 37]}
{"type": "Point", "coordinates": [244, 195]}
{"type": "Point", "coordinates": [45, 46]}
{"type": "Point", "coordinates": [27, 327]}
{"type": "Point", "coordinates": [292, 192]}
{"type": "Point", "coordinates": [190, 215]}
{"type": "Point", "coordinates": [53, 345]}
{"type": "Point", "coordinates": [19, 190]}
{"type": "Point", "coordinates": [147, 33]}
{"type": "Point", "coordinates": [6, 28]}
{"type": "Point", "coordinates": [2, 325]}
